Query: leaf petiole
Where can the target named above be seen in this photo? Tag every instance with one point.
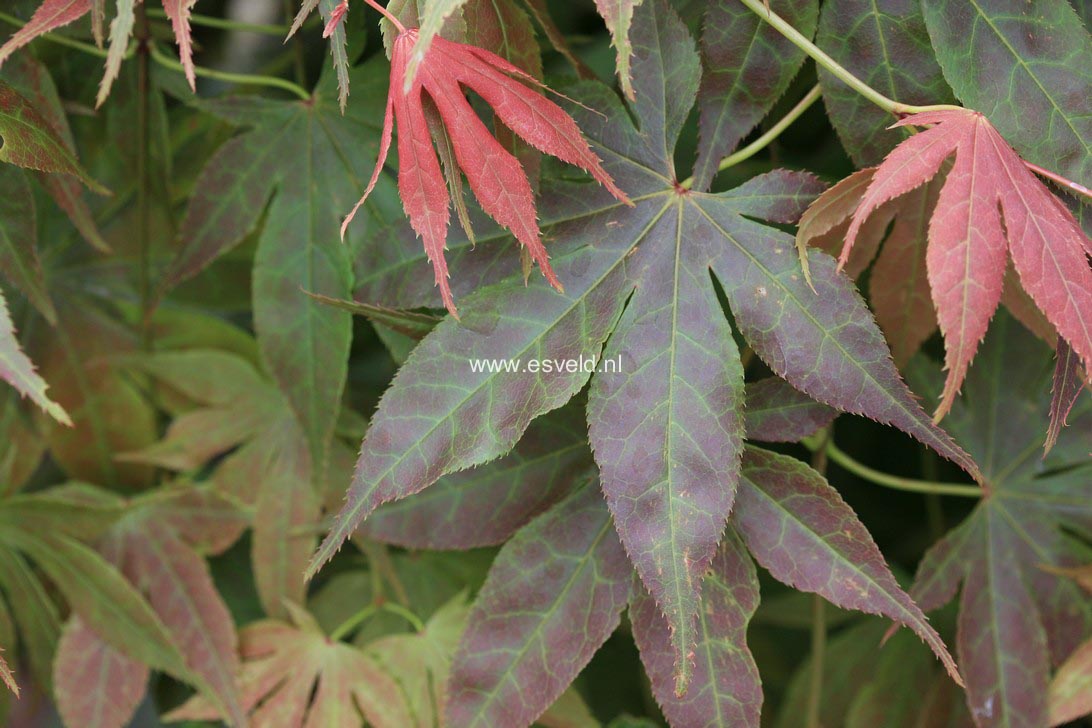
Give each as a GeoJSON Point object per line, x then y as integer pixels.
{"type": "Point", "coordinates": [741, 155]}
{"type": "Point", "coordinates": [887, 480]}
{"type": "Point", "coordinates": [388, 15]}
{"type": "Point", "coordinates": [239, 78]}
{"type": "Point", "coordinates": [803, 43]}
{"type": "Point", "coordinates": [352, 623]}
{"type": "Point", "coordinates": [223, 23]}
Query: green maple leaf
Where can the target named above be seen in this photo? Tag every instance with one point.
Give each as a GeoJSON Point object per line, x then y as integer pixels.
{"type": "Point", "coordinates": [1016, 617]}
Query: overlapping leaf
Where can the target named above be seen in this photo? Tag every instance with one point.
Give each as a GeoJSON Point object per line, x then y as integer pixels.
{"type": "Point", "coordinates": [990, 208]}
{"type": "Point", "coordinates": [1017, 615]}
{"type": "Point", "coordinates": [32, 80]}
{"type": "Point", "coordinates": [18, 371]}
{"type": "Point", "coordinates": [885, 44]}
{"type": "Point", "coordinates": [236, 407]}
{"type": "Point", "coordinates": [746, 67]}
{"type": "Point", "coordinates": [1071, 688]}
{"type": "Point", "coordinates": [486, 505]}
{"type": "Point", "coordinates": [8, 677]}
{"type": "Point", "coordinates": [309, 159]}
{"type": "Point", "coordinates": [421, 662]}
{"type": "Point", "coordinates": [669, 468]}
{"type": "Point", "coordinates": [726, 689]}
{"type": "Point", "coordinates": [84, 659]}
{"type": "Point", "coordinates": [618, 15]}
{"type": "Point", "coordinates": [554, 595]}
{"type": "Point", "coordinates": [154, 546]}
{"type": "Point", "coordinates": [898, 285]}
{"type": "Point", "coordinates": [800, 529]}
{"type": "Point", "coordinates": [1028, 67]}
{"type": "Point", "coordinates": [54, 14]}
{"type": "Point", "coordinates": [294, 675]}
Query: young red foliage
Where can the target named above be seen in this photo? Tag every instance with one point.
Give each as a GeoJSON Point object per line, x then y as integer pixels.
{"type": "Point", "coordinates": [990, 208]}
{"type": "Point", "coordinates": [494, 174]}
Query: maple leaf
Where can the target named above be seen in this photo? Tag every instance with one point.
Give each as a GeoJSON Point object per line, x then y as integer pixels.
{"type": "Point", "coordinates": [293, 674]}
{"type": "Point", "coordinates": [155, 545]}
{"type": "Point", "coordinates": [990, 208]}
{"type": "Point", "coordinates": [494, 174]}
{"type": "Point", "coordinates": [565, 568]}
{"type": "Point", "coordinates": [639, 291]}
{"type": "Point", "coordinates": [1017, 614]}
{"type": "Point", "coordinates": [229, 405]}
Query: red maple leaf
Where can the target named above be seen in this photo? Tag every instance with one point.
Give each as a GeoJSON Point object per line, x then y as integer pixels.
{"type": "Point", "coordinates": [990, 208]}
{"type": "Point", "coordinates": [494, 174]}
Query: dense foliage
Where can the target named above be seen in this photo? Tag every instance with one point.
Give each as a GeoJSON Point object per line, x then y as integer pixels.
{"type": "Point", "coordinates": [275, 453]}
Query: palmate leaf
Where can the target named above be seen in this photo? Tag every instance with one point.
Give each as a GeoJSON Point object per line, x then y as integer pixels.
{"type": "Point", "coordinates": [154, 547]}
{"type": "Point", "coordinates": [495, 175]}
{"type": "Point", "coordinates": [642, 276]}
{"type": "Point", "coordinates": [991, 208]}
{"type": "Point", "coordinates": [309, 158]}
{"type": "Point", "coordinates": [235, 406]}
{"type": "Point", "coordinates": [557, 588]}
{"type": "Point", "coordinates": [1017, 616]}
{"type": "Point", "coordinates": [294, 675]}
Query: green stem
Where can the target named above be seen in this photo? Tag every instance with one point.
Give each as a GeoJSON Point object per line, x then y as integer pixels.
{"type": "Point", "coordinates": [224, 23]}
{"type": "Point", "coordinates": [803, 43]}
{"type": "Point", "coordinates": [243, 79]}
{"type": "Point", "coordinates": [891, 481]}
{"type": "Point", "coordinates": [769, 136]}
{"type": "Point", "coordinates": [405, 614]}
{"type": "Point", "coordinates": [346, 628]}
{"type": "Point", "coordinates": [59, 39]}
{"type": "Point", "coordinates": [818, 660]}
